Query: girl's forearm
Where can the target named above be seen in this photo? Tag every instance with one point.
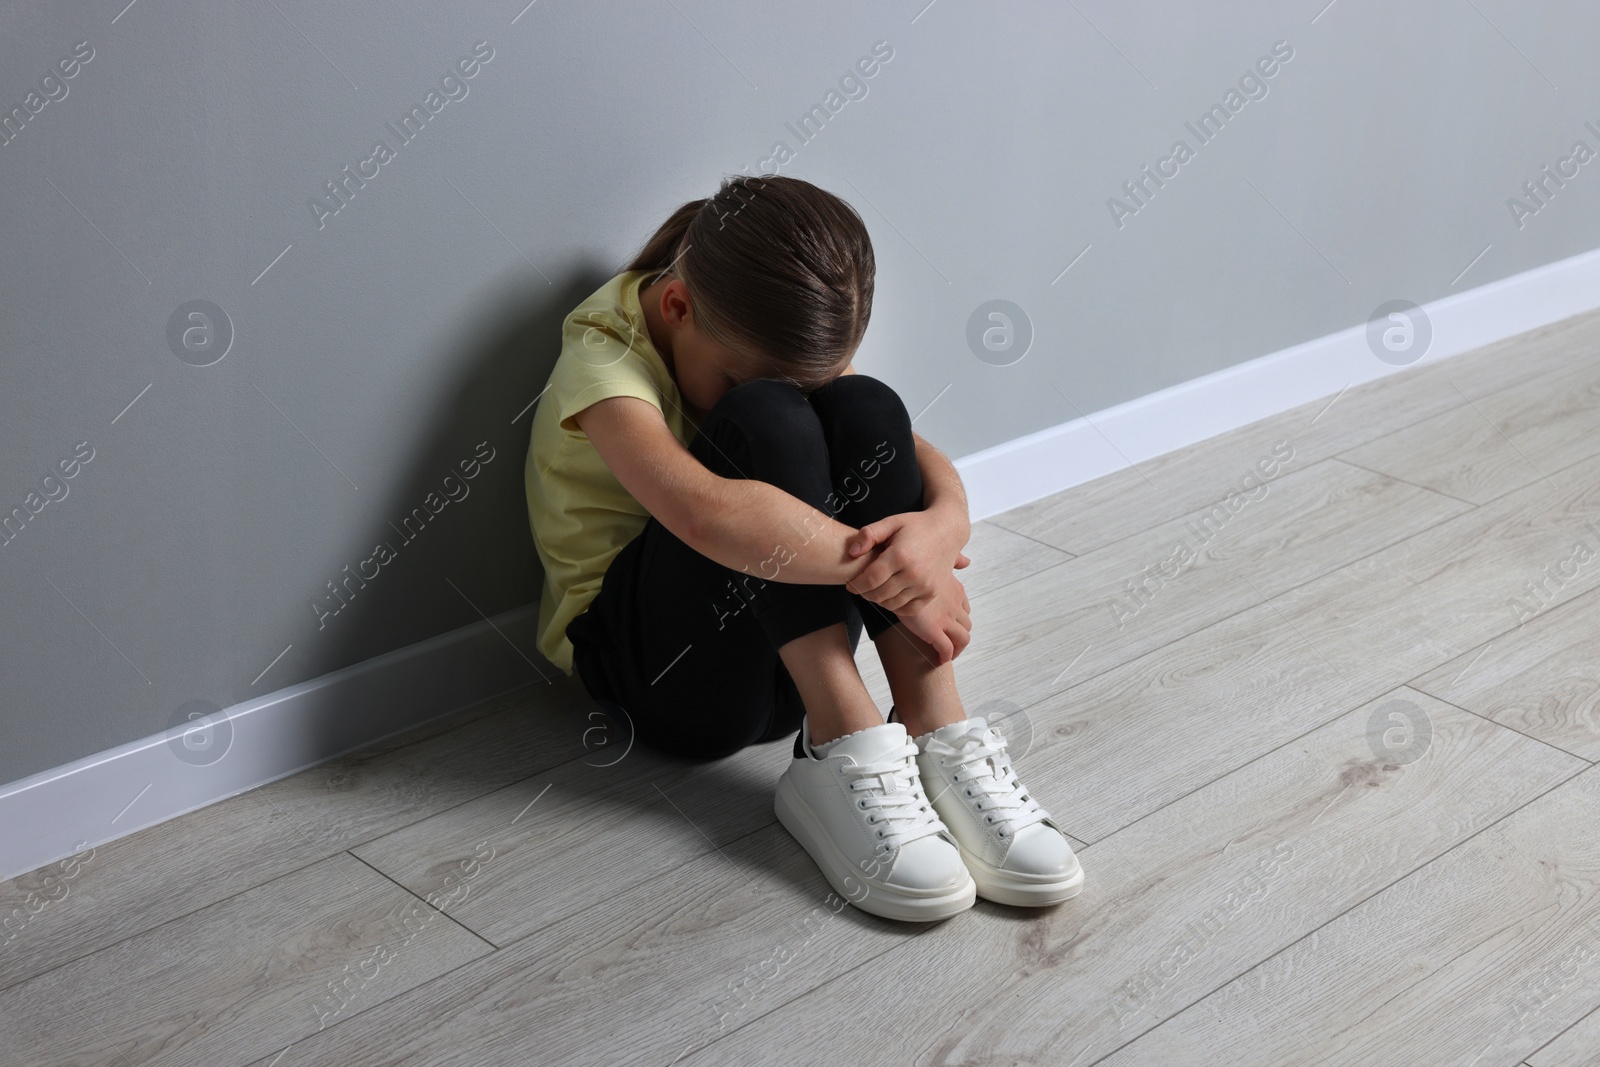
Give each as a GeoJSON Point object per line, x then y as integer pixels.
{"type": "Point", "coordinates": [941, 482]}
{"type": "Point", "coordinates": [755, 527]}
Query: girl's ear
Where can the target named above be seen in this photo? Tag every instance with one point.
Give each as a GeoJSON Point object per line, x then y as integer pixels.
{"type": "Point", "coordinates": [676, 307]}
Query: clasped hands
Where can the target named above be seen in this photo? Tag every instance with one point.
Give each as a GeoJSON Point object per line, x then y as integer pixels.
{"type": "Point", "coordinates": [913, 574]}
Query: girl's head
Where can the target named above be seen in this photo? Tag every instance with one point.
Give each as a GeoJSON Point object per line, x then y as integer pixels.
{"type": "Point", "coordinates": [769, 278]}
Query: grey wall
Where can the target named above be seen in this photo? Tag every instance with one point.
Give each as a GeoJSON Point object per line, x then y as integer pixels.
{"type": "Point", "coordinates": [386, 342]}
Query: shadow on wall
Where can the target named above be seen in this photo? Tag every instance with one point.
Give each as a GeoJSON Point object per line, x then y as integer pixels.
{"type": "Point", "coordinates": [458, 544]}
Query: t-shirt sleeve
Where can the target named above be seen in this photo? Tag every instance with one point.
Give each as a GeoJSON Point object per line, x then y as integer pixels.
{"type": "Point", "coordinates": [600, 358]}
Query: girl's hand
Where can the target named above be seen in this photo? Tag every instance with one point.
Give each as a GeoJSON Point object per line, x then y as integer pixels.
{"type": "Point", "coordinates": [945, 622]}
{"type": "Point", "coordinates": [921, 548]}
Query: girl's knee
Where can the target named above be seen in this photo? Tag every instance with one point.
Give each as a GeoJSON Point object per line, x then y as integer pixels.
{"type": "Point", "coordinates": [771, 414]}
{"type": "Point", "coordinates": [759, 397]}
{"type": "Point", "coordinates": [861, 396]}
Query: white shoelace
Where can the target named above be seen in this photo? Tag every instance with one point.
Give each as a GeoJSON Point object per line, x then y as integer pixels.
{"type": "Point", "coordinates": [990, 785]}
{"type": "Point", "coordinates": [891, 792]}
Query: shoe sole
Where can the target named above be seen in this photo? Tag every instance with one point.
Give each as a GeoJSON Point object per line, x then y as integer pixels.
{"type": "Point", "coordinates": [889, 902]}
{"type": "Point", "coordinates": [1020, 890]}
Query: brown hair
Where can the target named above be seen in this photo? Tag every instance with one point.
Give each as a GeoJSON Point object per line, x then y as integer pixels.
{"type": "Point", "coordinates": [778, 270]}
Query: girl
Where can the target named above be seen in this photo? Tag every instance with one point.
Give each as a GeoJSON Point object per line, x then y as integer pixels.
{"type": "Point", "coordinates": [722, 505]}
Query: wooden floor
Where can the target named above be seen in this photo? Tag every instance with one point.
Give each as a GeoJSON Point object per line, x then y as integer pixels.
{"type": "Point", "coordinates": [1326, 749]}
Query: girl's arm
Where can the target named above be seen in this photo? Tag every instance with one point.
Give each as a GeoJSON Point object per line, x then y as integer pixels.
{"type": "Point", "coordinates": [942, 491]}
{"type": "Point", "coordinates": [763, 530]}
{"type": "Point", "coordinates": [756, 527]}
{"type": "Point", "coordinates": [740, 523]}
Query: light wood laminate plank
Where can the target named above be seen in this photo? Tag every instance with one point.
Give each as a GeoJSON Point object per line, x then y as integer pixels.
{"type": "Point", "coordinates": [1577, 1046]}
{"type": "Point", "coordinates": [1404, 611]}
{"type": "Point", "coordinates": [641, 975]}
{"type": "Point", "coordinates": [1000, 557]}
{"type": "Point", "coordinates": [134, 883]}
{"type": "Point", "coordinates": [616, 819]}
{"type": "Point", "coordinates": [234, 980]}
{"type": "Point", "coordinates": [1498, 443]}
{"type": "Point", "coordinates": [1482, 956]}
{"type": "Point", "coordinates": [1542, 678]}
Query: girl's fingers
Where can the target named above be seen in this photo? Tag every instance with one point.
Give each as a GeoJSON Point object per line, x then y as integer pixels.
{"type": "Point", "coordinates": [904, 595]}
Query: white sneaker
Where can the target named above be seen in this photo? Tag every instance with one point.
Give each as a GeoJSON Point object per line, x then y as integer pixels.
{"type": "Point", "coordinates": [1016, 852]}
{"type": "Point", "coordinates": [862, 815]}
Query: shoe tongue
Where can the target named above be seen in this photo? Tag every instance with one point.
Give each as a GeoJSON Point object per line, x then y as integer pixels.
{"type": "Point", "coordinates": [869, 745]}
{"type": "Point", "coordinates": [955, 731]}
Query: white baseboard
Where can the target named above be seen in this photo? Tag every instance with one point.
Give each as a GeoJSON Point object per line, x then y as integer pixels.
{"type": "Point", "coordinates": [111, 794]}
{"type": "Point", "coordinates": [1027, 468]}
{"type": "Point", "coordinates": [125, 789]}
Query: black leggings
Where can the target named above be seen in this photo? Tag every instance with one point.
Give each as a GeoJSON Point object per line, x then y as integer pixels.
{"type": "Point", "coordinates": [688, 647]}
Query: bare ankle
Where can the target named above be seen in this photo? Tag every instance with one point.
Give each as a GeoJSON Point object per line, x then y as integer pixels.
{"type": "Point", "coordinates": [823, 668]}
{"type": "Point", "coordinates": [928, 720]}
{"type": "Point", "coordinates": [925, 696]}
{"type": "Point", "coordinates": [837, 722]}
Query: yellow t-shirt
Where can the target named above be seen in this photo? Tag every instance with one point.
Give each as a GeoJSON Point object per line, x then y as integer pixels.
{"type": "Point", "coordinates": [580, 514]}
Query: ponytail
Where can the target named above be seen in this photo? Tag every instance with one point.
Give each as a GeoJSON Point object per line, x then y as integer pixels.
{"type": "Point", "coordinates": [663, 246]}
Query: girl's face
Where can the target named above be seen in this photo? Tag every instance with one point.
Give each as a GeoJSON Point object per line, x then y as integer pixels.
{"type": "Point", "coordinates": [700, 365]}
